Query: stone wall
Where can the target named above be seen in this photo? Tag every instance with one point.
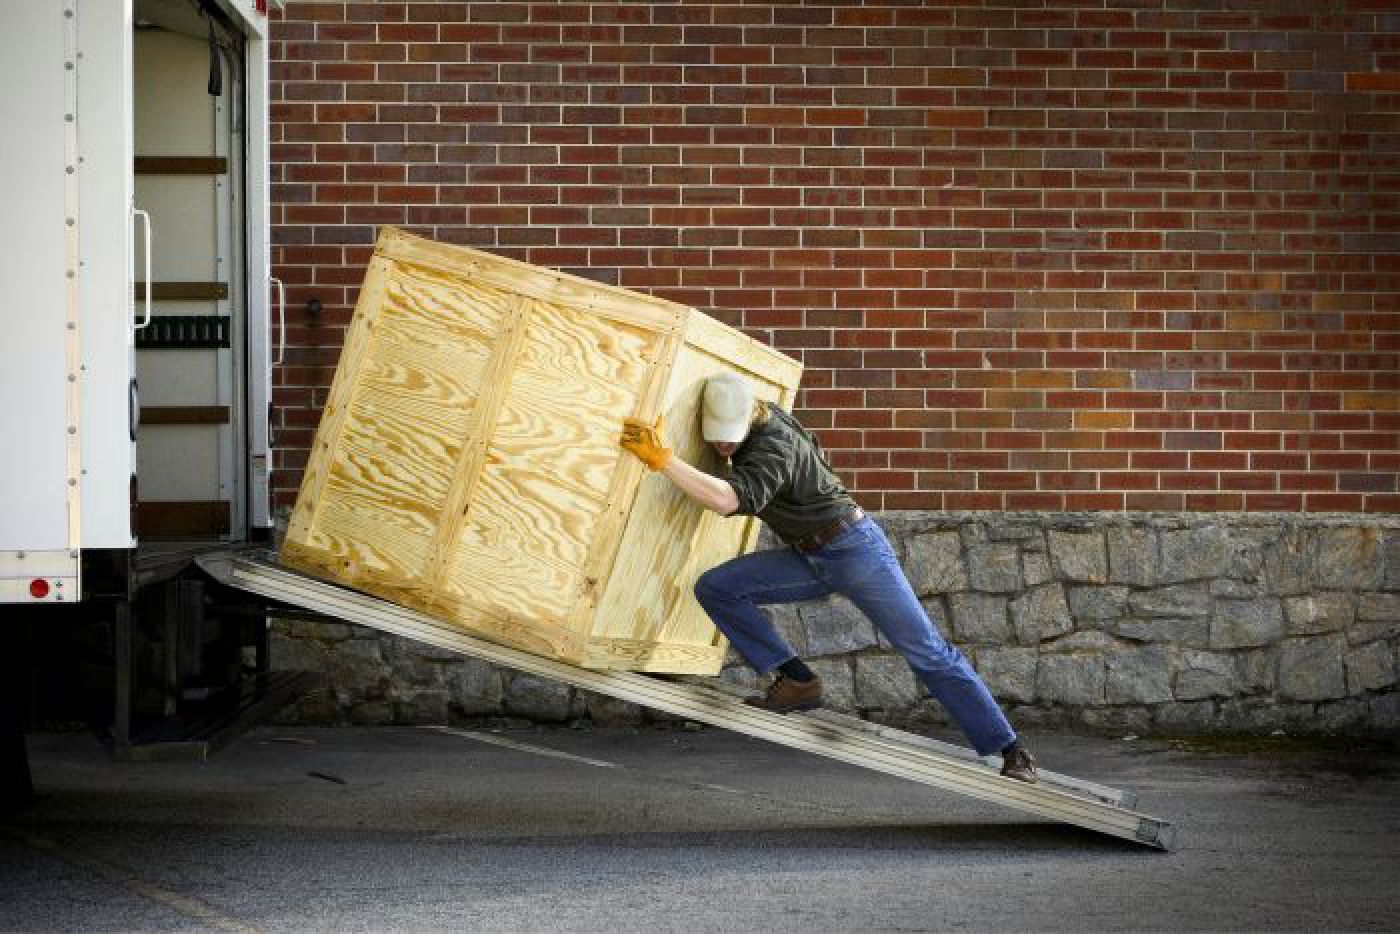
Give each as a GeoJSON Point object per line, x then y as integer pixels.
{"type": "Point", "coordinates": [1168, 623]}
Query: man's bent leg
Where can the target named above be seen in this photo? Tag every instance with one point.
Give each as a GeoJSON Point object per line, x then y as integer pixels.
{"type": "Point", "coordinates": [733, 592]}
{"type": "Point", "coordinates": [944, 670]}
{"type": "Point", "coordinates": [876, 584]}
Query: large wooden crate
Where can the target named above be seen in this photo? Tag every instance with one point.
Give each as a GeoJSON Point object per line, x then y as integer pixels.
{"type": "Point", "coordinates": [467, 465]}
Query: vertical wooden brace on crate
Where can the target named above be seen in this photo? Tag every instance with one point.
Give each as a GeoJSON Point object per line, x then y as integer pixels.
{"type": "Point", "coordinates": [474, 444]}
{"type": "Point", "coordinates": [621, 497]}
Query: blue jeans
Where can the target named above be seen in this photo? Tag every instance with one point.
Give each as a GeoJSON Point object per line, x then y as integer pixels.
{"type": "Point", "coordinates": [860, 565]}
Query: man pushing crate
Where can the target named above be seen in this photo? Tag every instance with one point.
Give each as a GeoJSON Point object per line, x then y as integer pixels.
{"type": "Point", "coordinates": [777, 472]}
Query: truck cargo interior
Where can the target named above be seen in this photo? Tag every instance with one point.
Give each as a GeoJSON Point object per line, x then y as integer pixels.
{"type": "Point", "coordinates": [190, 359]}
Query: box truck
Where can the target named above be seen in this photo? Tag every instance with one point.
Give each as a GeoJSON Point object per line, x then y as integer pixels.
{"type": "Point", "coordinates": [137, 348]}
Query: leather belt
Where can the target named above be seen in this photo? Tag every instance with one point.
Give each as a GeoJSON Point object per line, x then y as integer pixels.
{"type": "Point", "coordinates": [824, 536]}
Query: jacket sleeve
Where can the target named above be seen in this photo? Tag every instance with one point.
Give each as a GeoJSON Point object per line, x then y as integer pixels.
{"type": "Point", "coordinates": [765, 470]}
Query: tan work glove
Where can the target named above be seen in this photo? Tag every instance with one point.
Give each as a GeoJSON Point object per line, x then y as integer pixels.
{"type": "Point", "coordinates": [644, 441]}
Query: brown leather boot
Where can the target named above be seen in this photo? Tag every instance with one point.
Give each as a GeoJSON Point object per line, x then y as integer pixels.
{"type": "Point", "coordinates": [786, 695]}
{"type": "Point", "coordinates": [1018, 763]}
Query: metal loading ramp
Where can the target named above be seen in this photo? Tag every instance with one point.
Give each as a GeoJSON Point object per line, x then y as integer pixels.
{"type": "Point", "coordinates": [847, 739]}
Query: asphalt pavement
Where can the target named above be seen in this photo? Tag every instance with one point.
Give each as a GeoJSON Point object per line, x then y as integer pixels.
{"type": "Point", "coordinates": [666, 829]}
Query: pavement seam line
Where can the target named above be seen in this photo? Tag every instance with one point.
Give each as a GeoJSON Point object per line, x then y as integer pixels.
{"type": "Point", "coordinates": [128, 879]}
{"type": "Point", "coordinates": [523, 747]}
{"type": "Point", "coordinates": [697, 785]}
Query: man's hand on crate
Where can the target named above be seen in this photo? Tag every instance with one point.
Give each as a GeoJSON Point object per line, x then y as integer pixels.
{"type": "Point", "coordinates": [644, 441]}
{"type": "Point", "coordinates": [711, 492]}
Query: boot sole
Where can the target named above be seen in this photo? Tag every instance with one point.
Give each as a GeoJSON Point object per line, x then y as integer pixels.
{"type": "Point", "coordinates": [791, 708]}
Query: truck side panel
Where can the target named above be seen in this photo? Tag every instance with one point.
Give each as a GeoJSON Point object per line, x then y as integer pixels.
{"type": "Point", "coordinates": [105, 144]}
{"type": "Point", "coordinates": [35, 416]}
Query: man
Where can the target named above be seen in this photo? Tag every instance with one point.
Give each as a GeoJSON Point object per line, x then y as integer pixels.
{"type": "Point", "coordinates": [777, 472]}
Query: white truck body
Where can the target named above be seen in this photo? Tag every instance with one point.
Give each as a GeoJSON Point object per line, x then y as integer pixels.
{"type": "Point", "coordinates": [73, 251]}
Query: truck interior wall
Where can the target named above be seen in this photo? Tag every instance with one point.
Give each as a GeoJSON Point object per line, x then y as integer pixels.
{"type": "Point", "coordinates": [190, 364]}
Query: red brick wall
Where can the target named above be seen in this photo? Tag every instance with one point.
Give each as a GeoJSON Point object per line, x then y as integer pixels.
{"type": "Point", "coordinates": [1121, 255]}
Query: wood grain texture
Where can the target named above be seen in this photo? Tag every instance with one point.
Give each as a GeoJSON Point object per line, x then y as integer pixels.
{"type": "Point", "coordinates": [593, 298]}
{"type": "Point", "coordinates": [529, 634]}
{"type": "Point", "coordinates": [622, 494]}
{"type": "Point", "coordinates": [649, 655]}
{"type": "Point", "coordinates": [467, 462]}
{"type": "Point", "coordinates": [407, 424]}
{"type": "Point", "coordinates": [550, 462]}
{"type": "Point", "coordinates": [489, 382]}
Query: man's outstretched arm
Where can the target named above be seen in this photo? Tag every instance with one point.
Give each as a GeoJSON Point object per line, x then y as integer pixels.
{"type": "Point", "coordinates": [711, 492]}
{"type": "Point", "coordinates": [644, 441]}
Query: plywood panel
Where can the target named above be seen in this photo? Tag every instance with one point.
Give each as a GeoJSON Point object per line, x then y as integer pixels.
{"type": "Point", "coordinates": [308, 541]}
{"type": "Point", "coordinates": [408, 397]}
{"type": "Point", "coordinates": [467, 462]}
{"type": "Point", "coordinates": [407, 419]}
{"type": "Point", "coordinates": [550, 462]}
{"type": "Point", "coordinates": [645, 581]}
